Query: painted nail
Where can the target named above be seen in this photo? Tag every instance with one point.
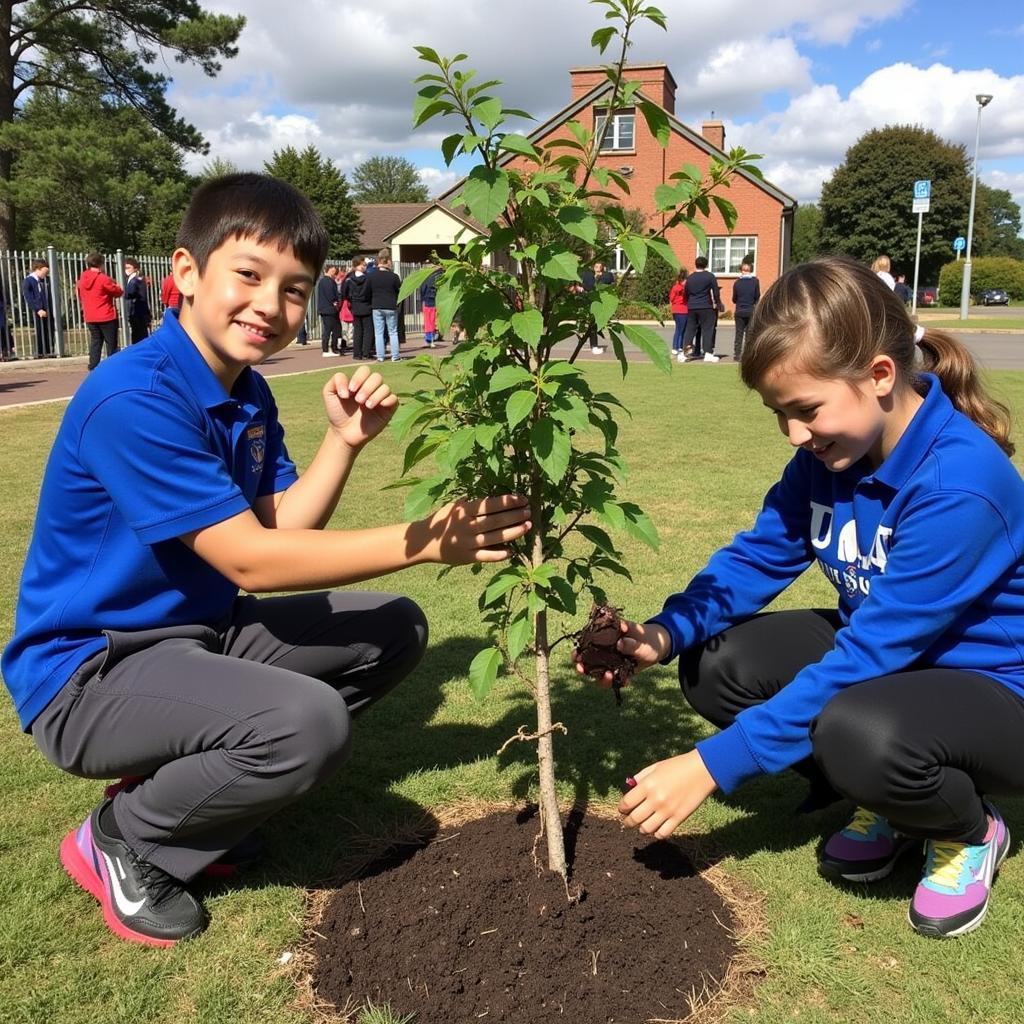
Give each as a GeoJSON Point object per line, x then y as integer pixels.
{"type": "Point", "coordinates": [630, 782]}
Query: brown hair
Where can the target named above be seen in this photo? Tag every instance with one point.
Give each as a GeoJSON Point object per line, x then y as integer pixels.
{"type": "Point", "coordinates": [834, 316]}
{"type": "Point", "coordinates": [682, 275]}
{"type": "Point", "coordinates": [95, 260]}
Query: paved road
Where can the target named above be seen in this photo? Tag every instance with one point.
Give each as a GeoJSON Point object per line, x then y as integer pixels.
{"type": "Point", "coordinates": [42, 380]}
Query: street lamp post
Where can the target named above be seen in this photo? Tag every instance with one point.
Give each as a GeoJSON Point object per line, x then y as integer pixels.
{"type": "Point", "coordinates": [965, 292]}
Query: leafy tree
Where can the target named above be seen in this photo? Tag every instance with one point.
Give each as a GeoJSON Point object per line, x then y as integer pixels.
{"type": "Point", "coordinates": [217, 168]}
{"type": "Point", "coordinates": [997, 224]}
{"type": "Point", "coordinates": [866, 205]}
{"type": "Point", "coordinates": [89, 174]}
{"type": "Point", "coordinates": [388, 179]}
{"type": "Point", "coordinates": [320, 180]}
{"type": "Point", "coordinates": [806, 233]}
{"type": "Point", "coordinates": [499, 413]}
{"type": "Point", "coordinates": [106, 48]}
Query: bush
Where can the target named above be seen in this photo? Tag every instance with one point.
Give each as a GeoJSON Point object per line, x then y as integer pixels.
{"type": "Point", "coordinates": [653, 284]}
{"type": "Point", "coordinates": [986, 272]}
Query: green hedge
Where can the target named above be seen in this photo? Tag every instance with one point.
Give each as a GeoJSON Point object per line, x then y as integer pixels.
{"type": "Point", "coordinates": [986, 272]}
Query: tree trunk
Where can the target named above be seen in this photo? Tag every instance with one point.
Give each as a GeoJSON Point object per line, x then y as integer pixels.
{"type": "Point", "coordinates": [545, 746]}
{"type": "Point", "coordinates": [6, 117]}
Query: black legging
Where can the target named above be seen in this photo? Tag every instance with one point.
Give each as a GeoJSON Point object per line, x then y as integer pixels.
{"type": "Point", "coordinates": [920, 747]}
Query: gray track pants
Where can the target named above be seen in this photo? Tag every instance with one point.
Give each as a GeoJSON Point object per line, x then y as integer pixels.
{"type": "Point", "coordinates": [227, 726]}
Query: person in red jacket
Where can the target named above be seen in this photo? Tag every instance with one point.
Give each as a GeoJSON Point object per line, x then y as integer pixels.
{"type": "Point", "coordinates": [677, 301]}
{"type": "Point", "coordinates": [97, 292]}
{"type": "Point", "coordinates": [170, 297]}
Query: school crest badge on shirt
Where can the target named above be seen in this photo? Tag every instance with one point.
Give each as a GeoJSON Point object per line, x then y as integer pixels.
{"type": "Point", "coordinates": [256, 436]}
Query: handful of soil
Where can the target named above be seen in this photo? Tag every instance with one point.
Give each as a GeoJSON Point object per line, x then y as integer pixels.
{"type": "Point", "coordinates": [596, 648]}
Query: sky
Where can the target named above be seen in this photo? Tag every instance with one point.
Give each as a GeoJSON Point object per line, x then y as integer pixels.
{"type": "Point", "coordinates": [798, 81]}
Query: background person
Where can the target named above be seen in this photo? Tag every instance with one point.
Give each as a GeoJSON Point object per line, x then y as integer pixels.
{"type": "Point", "coordinates": [384, 287]}
{"type": "Point", "coordinates": [97, 291]}
{"type": "Point", "coordinates": [907, 699]}
{"type": "Point", "coordinates": [704, 301]}
{"type": "Point", "coordinates": [35, 290]}
{"type": "Point", "coordinates": [746, 290]}
{"type": "Point", "coordinates": [327, 309]}
{"type": "Point", "coordinates": [136, 297]}
{"type": "Point", "coordinates": [677, 303]}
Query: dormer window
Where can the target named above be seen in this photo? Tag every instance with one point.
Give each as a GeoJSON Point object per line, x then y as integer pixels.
{"type": "Point", "coordinates": [619, 133]}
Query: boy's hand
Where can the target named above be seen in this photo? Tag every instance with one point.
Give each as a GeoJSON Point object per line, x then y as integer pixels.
{"type": "Point", "coordinates": [472, 529]}
{"type": "Point", "coordinates": [666, 794]}
{"type": "Point", "coordinates": [360, 408]}
{"type": "Point", "coordinates": [647, 643]}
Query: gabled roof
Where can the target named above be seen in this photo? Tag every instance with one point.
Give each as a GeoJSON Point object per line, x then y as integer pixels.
{"type": "Point", "coordinates": [425, 208]}
{"type": "Point", "coordinates": [571, 110]}
{"type": "Point", "coordinates": [380, 220]}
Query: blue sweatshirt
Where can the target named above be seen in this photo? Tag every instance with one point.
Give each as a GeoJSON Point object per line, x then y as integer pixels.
{"type": "Point", "coordinates": [924, 553]}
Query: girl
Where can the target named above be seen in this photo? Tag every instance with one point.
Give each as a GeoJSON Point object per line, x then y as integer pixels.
{"type": "Point", "coordinates": [909, 698]}
{"type": "Point", "coordinates": [677, 301]}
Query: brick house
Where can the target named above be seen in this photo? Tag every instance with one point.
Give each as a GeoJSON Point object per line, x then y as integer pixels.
{"type": "Point", "coordinates": [764, 224]}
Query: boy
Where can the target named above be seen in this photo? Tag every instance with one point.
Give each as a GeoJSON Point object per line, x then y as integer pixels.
{"type": "Point", "coordinates": [746, 290]}
{"type": "Point", "coordinates": [35, 290]}
{"type": "Point", "coordinates": [704, 301]}
{"type": "Point", "coordinates": [136, 297]}
{"type": "Point", "coordinates": [168, 489]}
{"type": "Point", "coordinates": [97, 292]}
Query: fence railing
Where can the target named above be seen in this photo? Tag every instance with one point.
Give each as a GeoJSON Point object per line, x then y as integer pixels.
{"type": "Point", "coordinates": [70, 334]}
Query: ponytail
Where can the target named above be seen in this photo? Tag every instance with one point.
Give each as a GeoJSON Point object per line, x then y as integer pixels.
{"type": "Point", "coordinates": [957, 371]}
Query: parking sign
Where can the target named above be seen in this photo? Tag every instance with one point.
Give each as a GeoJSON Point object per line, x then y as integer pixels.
{"type": "Point", "coordinates": [922, 189]}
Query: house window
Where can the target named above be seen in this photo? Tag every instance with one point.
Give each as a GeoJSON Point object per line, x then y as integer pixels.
{"type": "Point", "coordinates": [619, 133]}
{"type": "Point", "coordinates": [726, 252]}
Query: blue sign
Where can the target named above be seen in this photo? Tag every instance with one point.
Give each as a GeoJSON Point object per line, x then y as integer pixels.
{"type": "Point", "coordinates": [959, 243]}
{"type": "Point", "coordinates": [922, 190]}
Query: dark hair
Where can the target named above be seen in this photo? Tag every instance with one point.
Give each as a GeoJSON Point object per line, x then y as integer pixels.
{"type": "Point", "coordinates": [249, 205]}
{"type": "Point", "coordinates": [132, 261]}
{"type": "Point", "coordinates": [833, 316]}
{"type": "Point", "coordinates": [681, 276]}
{"type": "Point", "coordinates": [39, 264]}
{"type": "Point", "coordinates": [95, 259]}
{"type": "Point", "coordinates": [701, 262]}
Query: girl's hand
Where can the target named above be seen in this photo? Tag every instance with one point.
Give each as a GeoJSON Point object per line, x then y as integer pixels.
{"type": "Point", "coordinates": [647, 642]}
{"type": "Point", "coordinates": [472, 530]}
{"type": "Point", "coordinates": [666, 794]}
{"type": "Point", "coordinates": [360, 408]}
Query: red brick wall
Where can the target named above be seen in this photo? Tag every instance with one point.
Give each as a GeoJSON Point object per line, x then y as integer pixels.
{"type": "Point", "coordinates": [758, 212]}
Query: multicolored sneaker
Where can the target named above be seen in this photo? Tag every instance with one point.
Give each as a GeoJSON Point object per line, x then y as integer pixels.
{"type": "Point", "coordinates": [952, 898]}
{"type": "Point", "coordinates": [141, 902]}
{"type": "Point", "coordinates": [865, 850]}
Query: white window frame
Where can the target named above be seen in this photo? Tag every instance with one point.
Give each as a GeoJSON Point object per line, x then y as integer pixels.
{"type": "Point", "coordinates": [613, 135]}
{"type": "Point", "coordinates": [725, 253]}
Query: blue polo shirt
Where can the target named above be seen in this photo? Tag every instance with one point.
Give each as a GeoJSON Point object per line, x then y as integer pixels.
{"type": "Point", "coordinates": [926, 554]}
{"type": "Point", "coordinates": [151, 447]}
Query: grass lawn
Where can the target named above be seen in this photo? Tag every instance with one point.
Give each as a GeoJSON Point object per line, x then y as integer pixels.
{"type": "Point", "coordinates": [702, 452]}
{"type": "Point", "coordinates": [977, 322]}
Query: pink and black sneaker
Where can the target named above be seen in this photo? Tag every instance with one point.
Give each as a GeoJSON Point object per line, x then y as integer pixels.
{"type": "Point", "coordinates": [864, 850]}
{"type": "Point", "coordinates": [141, 902]}
{"type": "Point", "coordinates": [952, 898]}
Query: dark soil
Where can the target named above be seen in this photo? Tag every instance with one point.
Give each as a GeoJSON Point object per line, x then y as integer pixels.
{"type": "Point", "coordinates": [466, 929]}
{"type": "Point", "coordinates": [597, 648]}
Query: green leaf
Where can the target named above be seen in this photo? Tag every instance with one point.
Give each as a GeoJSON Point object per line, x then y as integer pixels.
{"type": "Point", "coordinates": [508, 377]}
{"type": "Point", "coordinates": [513, 143]}
{"type": "Point", "coordinates": [566, 595]}
{"type": "Point", "coordinates": [657, 121]}
{"type": "Point", "coordinates": [483, 671]}
{"type": "Point", "coordinates": [409, 413]}
{"type": "Point", "coordinates": [449, 298]}
{"type": "Point", "coordinates": [727, 210]}
{"type": "Point", "coordinates": [458, 447]}
{"type": "Point", "coordinates": [635, 248]}
{"type": "Point", "coordinates": [486, 193]}
{"type": "Point", "coordinates": [551, 448]}
{"type": "Point", "coordinates": [578, 222]}
{"type": "Point", "coordinates": [639, 525]}
{"type": "Point", "coordinates": [572, 412]}
{"type": "Point", "coordinates": [502, 582]}
{"type": "Point", "coordinates": [528, 325]}
{"type": "Point", "coordinates": [583, 136]}
{"type": "Point", "coordinates": [562, 266]}
{"type": "Point", "coordinates": [653, 344]}
{"type": "Point", "coordinates": [667, 196]}
{"type": "Point", "coordinates": [428, 54]}
{"type": "Point", "coordinates": [597, 537]}
{"type": "Point", "coordinates": [699, 233]}
{"type": "Point", "coordinates": [487, 434]}
{"type": "Point", "coordinates": [420, 447]}
{"type": "Point", "coordinates": [603, 304]}
{"type": "Point", "coordinates": [422, 498]}
{"type": "Point", "coordinates": [488, 111]}
{"type": "Point", "coordinates": [518, 635]}
{"type": "Point", "coordinates": [449, 147]}
{"type": "Point", "coordinates": [601, 38]}
{"type": "Point", "coordinates": [519, 406]}
{"type": "Point", "coordinates": [664, 250]}
{"type": "Point", "coordinates": [414, 280]}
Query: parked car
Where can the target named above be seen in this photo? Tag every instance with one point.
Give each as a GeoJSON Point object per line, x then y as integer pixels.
{"type": "Point", "coordinates": [928, 295]}
{"type": "Point", "coordinates": [994, 297]}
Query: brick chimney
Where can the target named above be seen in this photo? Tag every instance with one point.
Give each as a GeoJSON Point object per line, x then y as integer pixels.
{"type": "Point", "coordinates": [714, 132]}
{"type": "Point", "coordinates": [657, 81]}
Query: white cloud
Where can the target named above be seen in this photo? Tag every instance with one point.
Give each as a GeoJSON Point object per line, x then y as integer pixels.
{"type": "Point", "coordinates": [815, 130]}
{"type": "Point", "coordinates": [438, 179]}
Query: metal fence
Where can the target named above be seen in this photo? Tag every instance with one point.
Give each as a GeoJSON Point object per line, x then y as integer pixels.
{"type": "Point", "coordinates": [71, 336]}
